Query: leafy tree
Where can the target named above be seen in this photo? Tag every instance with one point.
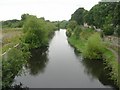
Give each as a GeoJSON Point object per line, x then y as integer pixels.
{"type": "Point", "coordinates": [34, 32]}
{"type": "Point", "coordinates": [12, 24]}
{"type": "Point", "coordinates": [63, 24]}
{"type": "Point", "coordinates": [108, 28]}
{"type": "Point", "coordinates": [24, 16]}
{"type": "Point", "coordinates": [37, 31]}
{"type": "Point", "coordinates": [116, 19]}
{"type": "Point", "coordinates": [78, 16]}
{"type": "Point", "coordinates": [72, 24]}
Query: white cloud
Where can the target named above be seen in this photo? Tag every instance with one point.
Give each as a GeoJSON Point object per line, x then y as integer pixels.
{"type": "Point", "coordinates": [50, 9]}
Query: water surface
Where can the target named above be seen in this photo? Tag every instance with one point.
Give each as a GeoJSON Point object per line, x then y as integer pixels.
{"type": "Point", "coordinates": [58, 66]}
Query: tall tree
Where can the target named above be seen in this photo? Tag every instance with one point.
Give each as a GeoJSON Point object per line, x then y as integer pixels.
{"type": "Point", "coordinates": [78, 16]}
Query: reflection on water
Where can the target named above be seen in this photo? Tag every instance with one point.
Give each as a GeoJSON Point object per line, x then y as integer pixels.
{"type": "Point", "coordinates": [38, 61]}
{"type": "Point", "coordinates": [97, 70]}
{"type": "Point", "coordinates": [59, 66]}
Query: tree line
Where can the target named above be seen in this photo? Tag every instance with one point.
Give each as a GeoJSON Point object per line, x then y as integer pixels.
{"type": "Point", "coordinates": [104, 15]}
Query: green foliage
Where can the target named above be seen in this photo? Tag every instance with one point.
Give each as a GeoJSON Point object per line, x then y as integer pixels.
{"type": "Point", "coordinates": [116, 19]}
{"type": "Point", "coordinates": [69, 32]}
{"type": "Point", "coordinates": [11, 66]}
{"type": "Point", "coordinates": [78, 44]}
{"type": "Point", "coordinates": [77, 31]}
{"type": "Point", "coordinates": [24, 16]}
{"type": "Point", "coordinates": [63, 24]}
{"type": "Point", "coordinates": [116, 13]}
{"type": "Point", "coordinates": [34, 35]}
{"type": "Point", "coordinates": [118, 30]}
{"type": "Point", "coordinates": [72, 24]}
{"type": "Point", "coordinates": [78, 16]}
{"type": "Point", "coordinates": [86, 33]}
{"type": "Point", "coordinates": [104, 15]}
{"type": "Point", "coordinates": [112, 65]}
{"type": "Point", "coordinates": [94, 47]}
{"type": "Point", "coordinates": [56, 24]}
{"type": "Point", "coordinates": [36, 31]}
{"type": "Point", "coordinates": [12, 24]}
{"type": "Point", "coordinates": [108, 29]}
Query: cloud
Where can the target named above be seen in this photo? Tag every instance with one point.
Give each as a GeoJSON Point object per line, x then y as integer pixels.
{"type": "Point", "coordinates": [50, 9]}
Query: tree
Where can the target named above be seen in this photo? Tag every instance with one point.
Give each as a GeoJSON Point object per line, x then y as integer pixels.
{"type": "Point", "coordinates": [34, 32]}
{"type": "Point", "coordinates": [12, 24]}
{"type": "Point", "coordinates": [72, 24]}
{"type": "Point", "coordinates": [24, 16]}
{"type": "Point", "coordinates": [116, 20]}
{"type": "Point", "coordinates": [108, 28]}
{"type": "Point", "coordinates": [78, 16]}
{"type": "Point", "coordinates": [63, 24]}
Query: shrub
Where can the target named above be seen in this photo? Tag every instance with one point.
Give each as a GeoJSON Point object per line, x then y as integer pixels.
{"type": "Point", "coordinates": [77, 31]}
{"type": "Point", "coordinates": [11, 66]}
{"type": "Point", "coordinates": [108, 30]}
{"type": "Point", "coordinates": [94, 47]}
{"type": "Point", "coordinates": [69, 32]}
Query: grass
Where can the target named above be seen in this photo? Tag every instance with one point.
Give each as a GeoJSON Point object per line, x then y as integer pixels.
{"type": "Point", "coordinates": [77, 43]}
{"type": "Point", "coordinates": [6, 30]}
{"type": "Point", "coordinates": [111, 62]}
{"type": "Point", "coordinates": [11, 37]}
{"type": "Point", "coordinates": [109, 57]}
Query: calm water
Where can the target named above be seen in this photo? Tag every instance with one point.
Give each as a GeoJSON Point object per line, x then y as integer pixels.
{"type": "Point", "coordinates": [58, 66]}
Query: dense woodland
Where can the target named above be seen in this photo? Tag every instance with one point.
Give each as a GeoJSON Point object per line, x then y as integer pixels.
{"type": "Point", "coordinates": [81, 32]}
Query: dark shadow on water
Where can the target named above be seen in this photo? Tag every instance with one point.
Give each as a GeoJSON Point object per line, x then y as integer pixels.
{"type": "Point", "coordinates": [37, 63]}
{"type": "Point", "coordinates": [98, 70]}
{"type": "Point", "coordinates": [16, 87]}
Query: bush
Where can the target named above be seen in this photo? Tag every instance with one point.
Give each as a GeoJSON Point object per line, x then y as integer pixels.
{"type": "Point", "coordinates": [34, 32]}
{"type": "Point", "coordinates": [37, 31]}
{"type": "Point", "coordinates": [94, 47]}
{"type": "Point", "coordinates": [11, 66]}
{"type": "Point", "coordinates": [118, 31]}
{"type": "Point", "coordinates": [72, 24]}
{"type": "Point", "coordinates": [77, 31]}
{"type": "Point", "coordinates": [108, 30]}
{"type": "Point", "coordinates": [69, 32]}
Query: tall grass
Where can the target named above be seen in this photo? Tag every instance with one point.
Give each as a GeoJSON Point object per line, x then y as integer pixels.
{"type": "Point", "coordinates": [94, 47]}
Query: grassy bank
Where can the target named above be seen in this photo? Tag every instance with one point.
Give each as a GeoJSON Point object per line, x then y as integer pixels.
{"type": "Point", "coordinates": [108, 56]}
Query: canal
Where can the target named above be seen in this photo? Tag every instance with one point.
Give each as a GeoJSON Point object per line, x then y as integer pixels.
{"type": "Point", "coordinates": [59, 66]}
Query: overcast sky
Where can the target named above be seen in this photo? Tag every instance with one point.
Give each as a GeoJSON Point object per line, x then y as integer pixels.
{"type": "Point", "coordinates": [50, 9]}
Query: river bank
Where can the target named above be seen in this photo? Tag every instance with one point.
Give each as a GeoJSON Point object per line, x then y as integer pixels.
{"type": "Point", "coordinates": [109, 57]}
